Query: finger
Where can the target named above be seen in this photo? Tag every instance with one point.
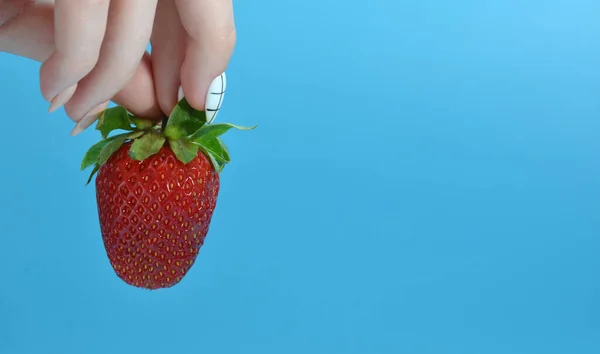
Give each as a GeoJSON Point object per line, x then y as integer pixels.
{"type": "Point", "coordinates": [125, 42]}
{"type": "Point", "coordinates": [168, 51]}
{"type": "Point", "coordinates": [136, 96]}
{"type": "Point", "coordinates": [139, 96]}
{"type": "Point", "coordinates": [30, 35]}
{"type": "Point", "coordinates": [89, 118]}
{"type": "Point", "coordinates": [211, 39]}
{"type": "Point", "coordinates": [79, 27]}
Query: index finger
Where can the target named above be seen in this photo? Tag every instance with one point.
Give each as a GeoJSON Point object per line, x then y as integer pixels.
{"type": "Point", "coordinates": [79, 27]}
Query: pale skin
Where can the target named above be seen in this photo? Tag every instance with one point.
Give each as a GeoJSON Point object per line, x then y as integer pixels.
{"type": "Point", "coordinates": [94, 51]}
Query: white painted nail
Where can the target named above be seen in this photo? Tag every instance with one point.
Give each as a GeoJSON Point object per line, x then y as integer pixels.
{"type": "Point", "coordinates": [89, 118]}
{"type": "Point", "coordinates": [62, 98]}
{"type": "Point", "coordinates": [215, 96]}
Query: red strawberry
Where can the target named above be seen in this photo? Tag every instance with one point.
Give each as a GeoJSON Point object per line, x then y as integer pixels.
{"type": "Point", "coordinates": [156, 200]}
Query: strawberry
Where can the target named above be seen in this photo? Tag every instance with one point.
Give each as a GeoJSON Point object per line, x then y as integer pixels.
{"type": "Point", "coordinates": [156, 189]}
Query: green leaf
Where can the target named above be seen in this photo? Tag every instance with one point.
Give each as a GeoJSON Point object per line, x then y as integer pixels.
{"type": "Point", "coordinates": [219, 165]}
{"type": "Point", "coordinates": [225, 150]}
{"type": "Point", "coordinates": [184, 150]}
{"type": "Point", "coordinates": [112, 119]}
{"type": "Point", "coordinates": [92, 155]}
{"type": "Point", "coordinates": [113, 145]}
{"type": "Point", "coordinates": [146, 146]}
{"type": "Point", "coordinates": [216, 151]}
{"type": "Point", "coordinates": [184, 121]}
{"type": "Point", "coordinates": [207, 138]}
{"type": "Point", "coordinates": [110, 149]}
{"type": "Point", "coordinates": [212, 131]}
{"type": "Point", "coordinates": [96, 168]}
{"type": "Point", "coordinates": [140, 123]}
{"type": "Point", "coordinates": [100, 152]}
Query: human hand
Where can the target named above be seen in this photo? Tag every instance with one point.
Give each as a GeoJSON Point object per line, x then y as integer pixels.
{"type": "Point", "coordinates": [94, 51]}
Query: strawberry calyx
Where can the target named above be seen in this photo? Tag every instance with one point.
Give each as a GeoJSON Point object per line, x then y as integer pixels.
{"type": "Point", "coordinates": [186, 131]}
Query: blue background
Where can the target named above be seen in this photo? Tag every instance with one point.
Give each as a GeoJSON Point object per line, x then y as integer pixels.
{"type": "Point", "coordinates": [425, 179]}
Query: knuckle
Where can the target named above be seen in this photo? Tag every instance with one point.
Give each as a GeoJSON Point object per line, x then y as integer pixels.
{"type": "Point", "coordinates": [83, 63]}
{"type": "Point", "coordinates": [221, 46]}
{"type": "Point", "coordinates": [227, 36]}
{"type": "Point", "coordinates": [231, 39]}
{"type": "Point", "coordinates": [80, 61]}
{"type": "Point", "coordinates": [121, 69]}
{"type": "Point", "coordinates": [218, 36]}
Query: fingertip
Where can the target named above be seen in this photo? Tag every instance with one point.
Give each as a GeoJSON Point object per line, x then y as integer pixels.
{"type": "Point", "coordinates": [59, 73]}
{"type": "Point", "coordinates": [62, 98]}
{"type": "Point", "coordinates": [213, 97]}
{"type": "Point", "coordinates": [89, 118]}
{"type": "Point", "coordinates": [47, 80]}
{"type": "Point", "coordinates": [194, 87]}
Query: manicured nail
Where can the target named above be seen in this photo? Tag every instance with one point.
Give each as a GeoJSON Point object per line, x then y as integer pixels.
{"type": "Point", "coordinates": [214, 97]}
{"type": "Point", "coordinates": [89, 118]}
{"type": "Point", "coordinates": [62, 98]}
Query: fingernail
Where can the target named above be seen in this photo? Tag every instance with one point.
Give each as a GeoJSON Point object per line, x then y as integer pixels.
{"type": "Point", "coordinates": [89, 119]}
{"type": "Point", "coordinates": [62, 98]}
{"type": "Point", "coordinates": [214, 97]}
{"type": "Point", "coordinates": [179, 94]}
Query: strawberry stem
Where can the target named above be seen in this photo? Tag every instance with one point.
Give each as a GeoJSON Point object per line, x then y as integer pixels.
{"type": "Point", "coordinates": [164, 124]}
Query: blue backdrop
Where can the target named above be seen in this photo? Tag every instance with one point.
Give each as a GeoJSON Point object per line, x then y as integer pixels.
{"type": "Point", "coordinates": [424, 179]}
